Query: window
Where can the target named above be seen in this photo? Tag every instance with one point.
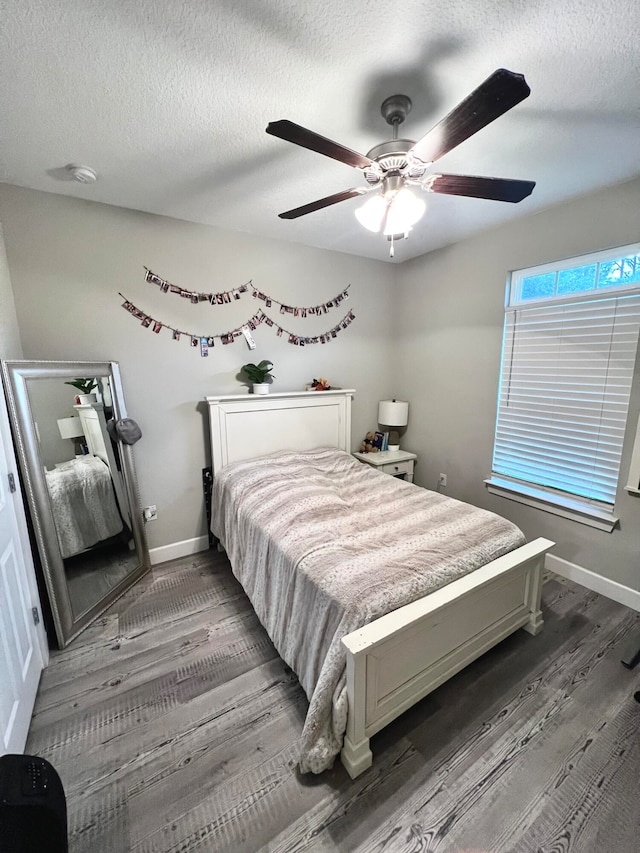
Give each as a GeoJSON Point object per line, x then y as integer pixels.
{"type": "Point", "coordinates": [569, 348]}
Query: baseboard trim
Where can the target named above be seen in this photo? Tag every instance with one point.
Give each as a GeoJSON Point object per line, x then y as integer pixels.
{"type": "Point", "coordinates": [178, 549]}
{"type": "Point", "coordinates": [585, 577]}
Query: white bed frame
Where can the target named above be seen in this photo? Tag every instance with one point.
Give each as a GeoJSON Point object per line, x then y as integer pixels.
{"type": "Point", "coordinates": [398, 659]}
{"type": "Point", "coordinates": [94, 427]}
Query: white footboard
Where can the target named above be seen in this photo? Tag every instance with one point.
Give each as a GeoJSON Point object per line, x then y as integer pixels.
{"type": "Point", "coordinates": [395, 661]}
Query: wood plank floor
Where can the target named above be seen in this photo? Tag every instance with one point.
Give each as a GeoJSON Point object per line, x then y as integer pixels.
{"type": "Point", "coordinates": [174, 726]}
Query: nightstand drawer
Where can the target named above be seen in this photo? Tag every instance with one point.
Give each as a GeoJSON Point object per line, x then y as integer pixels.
{"type": "Point", "coordinates": [397, 469]}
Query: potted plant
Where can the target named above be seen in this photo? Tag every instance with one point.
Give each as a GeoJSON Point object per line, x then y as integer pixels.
{"type": "Point", "coordinates": [85, 387]}
{"type": "Point", "coordinates": [259, 375]}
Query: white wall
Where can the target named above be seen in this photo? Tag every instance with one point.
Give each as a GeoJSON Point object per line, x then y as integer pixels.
{"type": "Point", "coordinates": [10, 345]}
{"type": "Point", "coordinates": [68, 260]}
{"type": "Point", "coordinates": [448, 343]}
{"type": "Point", "coordinates": [428, 331]}
{"type": "Point", "coordinates": [50, 399]}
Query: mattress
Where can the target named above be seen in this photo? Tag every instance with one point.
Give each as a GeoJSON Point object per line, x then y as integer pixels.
{"type": "Point", "coordinates": [323, 544]}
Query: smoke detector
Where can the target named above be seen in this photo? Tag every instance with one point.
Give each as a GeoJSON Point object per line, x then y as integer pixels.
{"type": "Point", "coordinates": [82, 174]}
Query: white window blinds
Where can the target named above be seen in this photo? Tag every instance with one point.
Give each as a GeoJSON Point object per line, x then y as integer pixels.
{"type": "Point", "coordinates": [565, 384]}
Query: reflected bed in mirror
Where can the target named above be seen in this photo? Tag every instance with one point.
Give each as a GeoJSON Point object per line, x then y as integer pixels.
{"type": "Point", "coordinates": [80, 485]}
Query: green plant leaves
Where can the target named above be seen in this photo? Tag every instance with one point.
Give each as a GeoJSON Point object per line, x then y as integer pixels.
{"type": "Point", "coordinates": [258, 373]}
{"type": "Point", "coordinates": [84, 386]}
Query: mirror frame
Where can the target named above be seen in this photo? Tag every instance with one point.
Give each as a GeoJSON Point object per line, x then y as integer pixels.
{"type": "Point", "coordinates": [15, 375]}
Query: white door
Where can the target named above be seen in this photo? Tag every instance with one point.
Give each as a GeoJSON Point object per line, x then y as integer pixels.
{"type": "Point", "coordinates": [23, 648]}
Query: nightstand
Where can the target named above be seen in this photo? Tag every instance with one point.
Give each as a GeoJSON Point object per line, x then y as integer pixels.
{"type": "Point", "coordinates": [398, 463]}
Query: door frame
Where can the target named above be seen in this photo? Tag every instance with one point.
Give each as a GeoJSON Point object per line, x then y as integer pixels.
{"type": "Point", "coordinates": [39, 637]}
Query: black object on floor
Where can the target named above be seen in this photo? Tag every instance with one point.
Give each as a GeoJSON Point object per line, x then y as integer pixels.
{"type": "Point", "coordinates": [33, 807]}
{"type": "Point", "coordinates": [631, 657]}
{"type": "Point", "coordinates": [636, 696]}
{"type": "Point", "coordinates": [207, 487]}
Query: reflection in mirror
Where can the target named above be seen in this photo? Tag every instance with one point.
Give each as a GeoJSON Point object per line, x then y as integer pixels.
{"type": "Point", "coordinates": [80, 482]}
{"type": "Point", "coordinates": [84, 481]}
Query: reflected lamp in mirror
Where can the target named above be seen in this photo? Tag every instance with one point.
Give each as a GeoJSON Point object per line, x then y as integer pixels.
{"type": "Point", "coordinates": [393, 414]}
{"type": "Point", "coordinates": [72, 428]}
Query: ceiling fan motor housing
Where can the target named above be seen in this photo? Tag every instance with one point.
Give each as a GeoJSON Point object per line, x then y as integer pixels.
{"type": "Point", "coordinates": [392, 158]}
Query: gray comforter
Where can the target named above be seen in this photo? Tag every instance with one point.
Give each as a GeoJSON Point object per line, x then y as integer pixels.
{"type": "Point", "coordinates": [323, 544]}
{"type": "Point", "coordinates": [83, 503]}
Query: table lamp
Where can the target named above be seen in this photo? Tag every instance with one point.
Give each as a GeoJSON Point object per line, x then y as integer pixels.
{"type": "Point", "coordinates": [72, 428]}
{"type": "Point", "coordinates": [393, 413]}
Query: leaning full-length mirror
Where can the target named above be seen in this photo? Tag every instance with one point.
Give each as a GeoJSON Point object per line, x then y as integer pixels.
{"type": "Point", "coordinates": [80, 485]}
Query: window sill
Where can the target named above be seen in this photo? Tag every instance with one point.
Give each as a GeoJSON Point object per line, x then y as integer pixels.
{"type": "Point", "coordinates": [555, 504]}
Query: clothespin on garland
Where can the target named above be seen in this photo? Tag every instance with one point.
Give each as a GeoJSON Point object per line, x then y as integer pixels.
{"type": "Point", "coordinates": [226, 296]}
{"type": "Point", "coordinates": [205, 342]}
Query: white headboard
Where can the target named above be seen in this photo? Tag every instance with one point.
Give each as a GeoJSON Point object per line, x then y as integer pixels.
{"type": "Point", "coordinates": [94, 426]}
{"type": "Point", "coordinates": [244, 426]}
{"type": "Point", "coordinates": [95, 429]}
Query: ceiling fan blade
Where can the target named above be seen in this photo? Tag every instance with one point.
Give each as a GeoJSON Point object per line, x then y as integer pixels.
{"type": "Point", "coordinates": [496, 189]}
{"type": "Point", "coordinates": [498, 94]}
{"type": "Point", "coordinates": [291, 132]}
{"type": "Point", "coordinates": [324, 202]}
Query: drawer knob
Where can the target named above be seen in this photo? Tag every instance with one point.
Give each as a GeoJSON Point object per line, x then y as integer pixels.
{"type": "Point", "coordinates": [397, 468]}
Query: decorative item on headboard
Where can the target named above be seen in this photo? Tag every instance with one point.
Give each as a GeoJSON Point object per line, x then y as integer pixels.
{"type": "Point", "coordinates": [321, 384]}
{"type": "Point", "coordinates": [85, 387]}
{"type": "Point", "coordinates": [259, 375]}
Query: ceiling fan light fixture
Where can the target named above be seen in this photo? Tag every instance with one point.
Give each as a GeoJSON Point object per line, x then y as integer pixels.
{"type": "Point", "coordinates": [372, 212]}
{"type": "Point", "coordinates": [395, 211]}
{"type": "Point", "coordinates": [404, 211]}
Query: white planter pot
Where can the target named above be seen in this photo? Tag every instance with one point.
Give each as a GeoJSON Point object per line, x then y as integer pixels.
{"type": "Point", "coordinates": [87, 398]}
{"type": "Point", "coordinates": [261, 388]}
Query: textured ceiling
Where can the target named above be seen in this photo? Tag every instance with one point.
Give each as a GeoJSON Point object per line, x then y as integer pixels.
{"type": "Point", "coordinates": [168, 101]}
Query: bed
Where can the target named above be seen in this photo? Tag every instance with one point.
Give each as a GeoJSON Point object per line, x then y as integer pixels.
{"type": "Point", "coordinates": [287, 506]}
{"type": "Point", "coordinates": [83, 504]}
{"type": "Point", "coordinates": [87, 493]}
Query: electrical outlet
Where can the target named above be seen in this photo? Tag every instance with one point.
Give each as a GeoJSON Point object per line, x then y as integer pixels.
{"type": "Point", "coordinates": [442, 480]}
{"type": "Point", "coordinates": [150, 513]}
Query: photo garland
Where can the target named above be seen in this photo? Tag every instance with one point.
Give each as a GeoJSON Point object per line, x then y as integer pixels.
{"type": "Point", "coordinates": [205, 342]}
{"type": "Point", "coordinates": [227, 296]}
{"type": "Point", "coordinates": [212, 298]}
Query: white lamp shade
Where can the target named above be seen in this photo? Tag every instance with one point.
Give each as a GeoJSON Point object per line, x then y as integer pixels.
{"type": "Point", "coordinates": [405, 210]}
{"type": "Point", "coordinates": [401, 209]}
{"type": "Point", "coordinates": [393, 413]}
{"type": "Point", "coordinates": [70, 427]}
{"type": "Point", "coordinates": [371, 214]}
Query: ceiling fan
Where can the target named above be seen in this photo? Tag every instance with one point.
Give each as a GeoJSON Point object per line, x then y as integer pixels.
{"type": "Point", "coordinates": [395, 166]}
